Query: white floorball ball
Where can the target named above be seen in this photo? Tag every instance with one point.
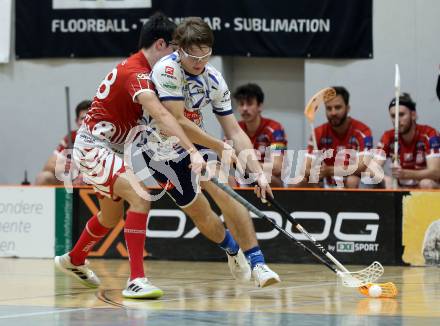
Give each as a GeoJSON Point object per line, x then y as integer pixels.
{"type": "Point", "coordinates": [375, 291]}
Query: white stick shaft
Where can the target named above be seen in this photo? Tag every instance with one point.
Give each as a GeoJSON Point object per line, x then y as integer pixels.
{"type": "Point", "coordinates": [315, 143]}
{"type": "Point", "coordinates": [69, 125]}
{"type": "Point", "coordinates": [396, 122]}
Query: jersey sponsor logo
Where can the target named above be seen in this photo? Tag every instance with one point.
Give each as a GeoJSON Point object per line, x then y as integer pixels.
{"type": "Point", "coordinates": [278, 135]}
{"type": "Point", "coordinates": [169, 70]}
{"type": "Point", "coordinates": [354, 142]}
{"type": "Point", "coordinates": [143, 76]}
{"type": "Point", "coordinates": [408, 157]}
{"type": "Point", "coordinates": [262, 138]}
{"type": "Point", "coordinates": [434, 142]}
{"type": "Point", "coordinates": [169, 85]}
{"type": "Point", "coordinates": [368, 142]}
{"type": "Point", "coordinates": [420, 158]}
{"type": "Point", "coordinates": [326, 141]}
{"type": "Point", "coordinates": [194, 116]}
{"type": "Point", "coordinates": [420, 146]}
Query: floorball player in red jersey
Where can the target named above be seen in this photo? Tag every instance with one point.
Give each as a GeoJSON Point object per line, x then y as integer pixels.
{"type": "Point", "coordinates": [418, 148]}
{"type": "Point", "coordinates": [120, 102]}
{"type": "Point", "coordinates": [340, 133]}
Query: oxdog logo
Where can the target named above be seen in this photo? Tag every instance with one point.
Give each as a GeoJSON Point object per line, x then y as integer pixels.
{"type": "Point", "coordinates": [100, 4]}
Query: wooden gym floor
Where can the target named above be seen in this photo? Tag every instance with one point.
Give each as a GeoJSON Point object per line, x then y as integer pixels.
{"type": "Point", "coordinates": [32, 293]}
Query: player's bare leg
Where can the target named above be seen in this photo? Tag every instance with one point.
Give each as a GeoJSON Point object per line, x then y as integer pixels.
{"type": "Point", "coordinates": [205, 219]}
{"type": "Point", "coordinates": [236, 216]}
{"type": "Point", "coordinates": [111, 212]}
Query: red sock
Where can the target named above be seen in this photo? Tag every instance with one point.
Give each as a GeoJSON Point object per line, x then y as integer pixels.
{"type": "Point", "coordinates": [92, 233]}
{"type": "Point", "coordinates": [134, 231]}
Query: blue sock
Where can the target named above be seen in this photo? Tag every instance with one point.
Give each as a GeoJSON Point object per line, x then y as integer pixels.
{"type": "Point", "coordinates": [254, 256]}
{"type": "Point", "coordinates": [228, 244]}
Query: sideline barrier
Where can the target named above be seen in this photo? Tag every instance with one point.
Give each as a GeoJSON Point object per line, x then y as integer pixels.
{"type": "Point", "coordinates": [358, 227]}
{"type": "Point", "coordinates": [27, 222]}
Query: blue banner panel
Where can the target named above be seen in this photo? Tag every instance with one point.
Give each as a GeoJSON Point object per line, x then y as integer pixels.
{"type": "Point", "coordinates": [280, 28]}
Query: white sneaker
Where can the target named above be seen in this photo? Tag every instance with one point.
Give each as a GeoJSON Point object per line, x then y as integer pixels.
{"type": "Point", "coordinates": [82, 272]}
{"type": "Point", "coordinates": [264, 276]}
{"type": "Point", "coordinates": [239, 267]}
{"type": "Point", "coordinates": [141, 288]}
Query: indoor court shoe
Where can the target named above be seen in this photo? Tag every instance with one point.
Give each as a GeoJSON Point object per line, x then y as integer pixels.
{"type": "Point", "coordinates": [264, 276]}
{"type": "Point", "coordinates": [82, 272]}
{"type": "Point", "coordinates": [141, 288]}
{"type": "Point", "coordinates": [239, 267]}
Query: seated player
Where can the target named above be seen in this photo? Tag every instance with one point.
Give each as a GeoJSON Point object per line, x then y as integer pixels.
{"type": "Point", "coordinates": [47, 175]}
{"type": "Point", "coordinates": [418, 146]}
{"type": "Point", "coordinates": [267, 135]}
{"type": "Point", "coordinates": [339, 133]}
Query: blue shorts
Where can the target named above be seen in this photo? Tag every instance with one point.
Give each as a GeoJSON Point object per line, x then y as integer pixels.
{"type": "Point", "coordinates": [175, 176]}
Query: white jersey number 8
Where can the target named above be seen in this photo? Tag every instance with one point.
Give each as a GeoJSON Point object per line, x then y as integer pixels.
{"type": "Point", "coordinates": [104, 87]}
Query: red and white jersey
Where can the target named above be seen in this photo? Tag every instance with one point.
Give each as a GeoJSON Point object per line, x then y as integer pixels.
{"type": "Point", "coordinates": [115, 111]}
{"type": "Point", "coordinates": [269, 135]}
{"type": "Point", "coordinates": [65, 141]}
{"type": "Point", "coordinates": [424, 145]}
{"type": "Point", "coordinates": [357, 137]}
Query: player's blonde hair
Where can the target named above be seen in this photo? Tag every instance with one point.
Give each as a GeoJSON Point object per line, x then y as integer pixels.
{"type": "Point", "coordinates": [193, 31]}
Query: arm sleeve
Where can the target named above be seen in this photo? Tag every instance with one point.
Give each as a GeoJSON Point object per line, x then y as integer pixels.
{"type": "Point", "coordinates": [138, 82]}
{"type": "Point", "coordinates": [221, 100]}
{"type": "Point", "coordinates": [433, 149]}
{"type": "Point", "coordinates": [366, 142]}
{"type": "Point", "coordinates": [168, 79]}
{"type": "Point", "coordinates": [278, 141]}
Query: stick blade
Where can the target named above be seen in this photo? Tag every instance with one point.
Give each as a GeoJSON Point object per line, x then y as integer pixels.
{"type": "Point", "coordinates": [320, 97]}
{"type": "Point", "coordinates": [363, 277]}
{"type": "Point", "coordinates": [389, 289]}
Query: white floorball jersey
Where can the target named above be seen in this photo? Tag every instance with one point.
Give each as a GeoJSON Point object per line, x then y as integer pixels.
{"type": "Point", "coordinates": [199, 92]}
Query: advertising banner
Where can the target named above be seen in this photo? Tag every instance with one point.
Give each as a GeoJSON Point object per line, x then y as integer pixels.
{"type": "Point", "coordinates": [27, 222]}
{"type": "Point", "coordinates": [357, 227]}
{"type": "Point", "coordinates": [5, 30]}
{"type": "Point", "coordinates": [280, 28]}
{"type": "Point", "coordinates": [421, 228]}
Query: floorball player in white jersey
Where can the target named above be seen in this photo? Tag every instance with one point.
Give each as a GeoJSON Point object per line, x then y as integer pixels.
{"type": "Point", "coordinates": [121, 99]}
{"type": "Point", "coordinates": [187, 85]}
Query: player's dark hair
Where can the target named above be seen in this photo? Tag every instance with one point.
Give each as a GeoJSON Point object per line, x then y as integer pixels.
{"type": "Point", "coordinates": [405, 100]}
{"type": "Point", "coordinates": [193, 31]}
{"type": "Point", "coordinates": [82, 106]}
{"type": "Point", "coordinates": [158, 26]}
{"type": "Point", "coordinates": [342, 91]}
{"type": "Point", "coordinates": [248, 92]}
